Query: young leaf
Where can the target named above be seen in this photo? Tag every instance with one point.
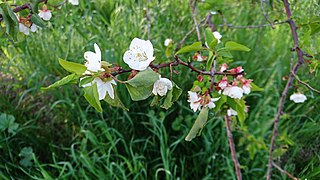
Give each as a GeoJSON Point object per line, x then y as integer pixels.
{"type": "Point", "coordinates": [86, 80]}
{"type": "Point", "coordinates": [116, 102]}
{"type": "Point", "coordinates": [92, 96]}
{"type": "Point", "coordinates": [176, 92]}
{"type": "Point", "coordinates": [197, 46]}
{"type": "Point", "coordinates": [210, 39]}
{"type": "Point", "coordinates": [210, 61]}
{"type": "Point", "coordinates": [66, 80]}
{"type": "Point", "coordinates": [233, 46]}
{"type": "Point", "coordinates": [139, 93]}
{"type": "Point", "coordinates": [72, 67]}
{"type": "Point", "coordinates": [220, 102]}
{"type": "Point", "coordinates": [37, 20]}
{"type": "Point", "coordinates": [254, 87]}
{"type": "Point", "coordinates": [198, 124]}
{"type": "Point", "coordinates": [144, 78]}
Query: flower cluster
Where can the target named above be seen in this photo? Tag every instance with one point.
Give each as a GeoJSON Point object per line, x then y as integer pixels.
{"type": "Point", "coordinates": [94, 67]}
{"type": "Point", "coordinates": [198, 101]}
{"type": "Point", "coordinates": [25, 26]}
{"type": "Point", "coordinates": [235, 87]}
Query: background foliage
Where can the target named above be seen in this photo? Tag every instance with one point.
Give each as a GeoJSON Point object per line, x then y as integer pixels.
{"type": "Point", "coordinates": [56, 134]}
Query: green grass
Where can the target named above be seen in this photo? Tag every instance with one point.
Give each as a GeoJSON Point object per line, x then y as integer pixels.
{"type": "Point", "coordinates": [70, 140]}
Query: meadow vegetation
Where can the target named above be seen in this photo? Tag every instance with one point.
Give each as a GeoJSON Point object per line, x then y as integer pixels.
{"type": "Point", "coordinates": [56, 134]}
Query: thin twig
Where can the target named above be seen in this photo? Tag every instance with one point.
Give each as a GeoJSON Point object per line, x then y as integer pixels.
{"type": "Point", "coordinates": [283, 171]}
{"type": "Point", "coordinates": [187, 35]}
{"type": "Point", "coordinates": [232, 148]}
{"type": "Point", "coordinates": [265, 15]}
{"type": "Point", "coordinates": [287, 87]}
{"type": "Point", "coordinates": [193, 7]}
{"type": "Point", "coordinates": [306, 84]}
{"type": "Point", "coordinates": [250, 26]}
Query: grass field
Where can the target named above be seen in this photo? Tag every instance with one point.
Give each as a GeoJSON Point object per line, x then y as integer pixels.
{"type": "Point", "coordinates": [56, 134]}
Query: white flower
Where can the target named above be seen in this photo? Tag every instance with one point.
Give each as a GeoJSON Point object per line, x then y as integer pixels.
{"type": "Point", "coordinates": [298, 98]}
{"type": "Point", "coordinates": [231, 112]}
{"type": "Point", "coordinates": [74, 2]}
{"type": "Point", "coordinates": [167, 42]}
{"type": "Point", "coordinates": [246, 89]}
{"type": "Point", "coordinates": [233, 92]}
{"type": "Point", "coordinates": [45, 14]}
{"type": "Point", "coordinates": [24, 29]}
{"type": "Point", "coordinates": [161, 86]}
{"type": "Point", "coordinates": [194, 100]}
{"type": "Point", "coordinates": [139, 55]}
{"type": "Point", "coordinates": [104, 87]}
{"type": "Point", "coordinates": [211, 104]}
{"type": "Point", "coordinates": [217, 35]}
{"type": "Point", "coordinates": [33, 27]}
{"type": "Point", "coordinates": [93, 59]}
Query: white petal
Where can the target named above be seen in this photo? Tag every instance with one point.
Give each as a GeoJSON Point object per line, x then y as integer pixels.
{"type": "Point", "coordinates": [47, 16]}
{"type": "Point", "coordinates": [195, 106]}
{"type": "Point", "coordinates": [110, 90]}
{"type": "Point", "coordinates": [215, 99]}
{"type": "Point", "coordinates": [211, 105]}
{"type": "Point", "coordinates": [33, 27]}
{"type": "Point", "coordinates": [298, 98]}
{"type": "Point", "coordinates": [246, 89]}
{"type": "Point", "coordinates": [231, 112]}
{"type": "Point", "coordinates": [148, 47]}
{"type": "Point", "coordinates": [41, 14]}
{"type": "Point", "coordinates": [98, 51]}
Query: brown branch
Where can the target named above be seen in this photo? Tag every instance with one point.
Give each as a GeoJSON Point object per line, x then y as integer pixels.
{"type": "Point", "coordinates": [287, 87]}
{"type": "Point", "coordinates": [176, 63]}
{"type": "Point", "coordinates": [283, 171]}
{"type": "Point", "coordinates": [232, 148]}
{"type": "Point", "coordinates": [306, 84]}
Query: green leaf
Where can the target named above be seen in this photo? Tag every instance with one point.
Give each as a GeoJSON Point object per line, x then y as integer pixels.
{"type": "Point", "coordinates": [139, 93]}
{"type": "Point", "coordinates": [197, 46]}
{"type": "Point", "coordinates": [239, 106]}
{"type": "Point", "coordinates": [116, 102]}
{"type": "Point", "coordinates": [155, 101]}
{"type": "Point", "coordinates": [210, 39]}
{"type": "Point", "coordinates": [254, 87]}
{"type": "Point", "coordinates": [66, 80]}
{"type": "Point", "coordinates": [225, 53]}
{"type": "Point", "coordinates": [12, 15]}
{"type": "Point", "coordinates": [168, 100]}
{"type": "Point", "coordinates": [233, 46]}
{"type": "Point", "coordinates": [86, 80]}
{"type": "Point", "coordinates": [37, 20]}
{"type": "Point", "coordinates": [92, 96]}
{"type": "Point", "coordinates": [72, 67]}
{"type": "Point", "coordinates": [198, 124]}
{"type": "Point", "coordinates": [220, 102]}
{"type": "Point", "coordinates": [5, 19]}
{"type": "Point", "coordinates": [176, 92]}
{"type": "Point", "coordinates": [27, 154]}
{"type": "Point", "coordinates": [144, 78]}
{"type": "Point", "coordinates": [279, 152]}
{"type": "Point", "coordinates": [7, 123]}
{"type": "Point", "coordinates": [210, 61]}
